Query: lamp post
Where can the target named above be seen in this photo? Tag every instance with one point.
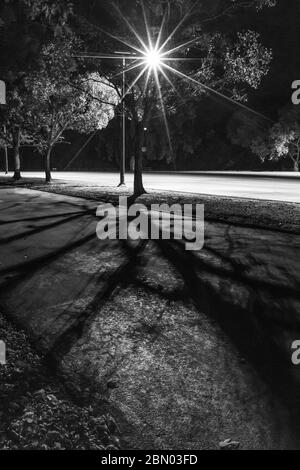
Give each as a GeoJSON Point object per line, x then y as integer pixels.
{"type": "Point", "coordinates": [117, 55]}
{"type": "Point", "coordinates": [123, 159]}
{"type": "Point", "coordinates": [3, 103]}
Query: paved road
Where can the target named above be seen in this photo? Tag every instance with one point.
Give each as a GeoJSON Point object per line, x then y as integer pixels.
{"type": "Point", "coordinates": [245, 186]}
{"type": "Point", "coordinates": [174, 344]}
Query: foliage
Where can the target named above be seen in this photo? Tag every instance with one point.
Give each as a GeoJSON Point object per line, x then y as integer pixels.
{"type": "Point", "coordinates": [59, 99]}
{"type": "Point", "coordinates": [14, 117]}
{"type": "Point", "coordinates": [227, 62]}
{"type": "Point", "coordinates": [25, 26]}
{"type": "Point", "coordinates": [55, 12]}
{"type": "Point", "coordinates": [247, 61]}
{"type": "Point", "coordinates": [37, 413]}
{"type": "Point", "coordinates": [218, 59]}
{"type": "Point", "coordinates": [283, 139]}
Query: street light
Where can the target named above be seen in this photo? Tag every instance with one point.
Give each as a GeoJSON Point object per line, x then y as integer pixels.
{"type": "Point", "coordinates": [123, 160]}
{"type": "Point", "coordinates": [117, 55]}
{"type": "Point", "coordinates": [3, 103]}
{"type": "Point", "coordinates": [153, 58]}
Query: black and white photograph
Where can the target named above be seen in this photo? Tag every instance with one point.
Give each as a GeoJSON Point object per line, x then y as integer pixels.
{"type": "Point", "coordinates": [149, 229]}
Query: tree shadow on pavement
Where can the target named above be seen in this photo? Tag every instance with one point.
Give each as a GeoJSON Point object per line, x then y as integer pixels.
{"type": "Point", "coordinates": [256, 329]}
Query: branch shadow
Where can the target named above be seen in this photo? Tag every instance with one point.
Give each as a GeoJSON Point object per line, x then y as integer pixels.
{"type": "Point", "coordinates": [252, 331]}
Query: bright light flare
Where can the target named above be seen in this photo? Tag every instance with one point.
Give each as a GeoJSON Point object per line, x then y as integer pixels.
{"type": "Point", "coordinates": [156, 59]}
{"type": "Point", "coordinates": [153, 59]}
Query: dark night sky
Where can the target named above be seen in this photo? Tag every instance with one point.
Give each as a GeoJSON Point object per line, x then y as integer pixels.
{"type": "Point", "coordinates": [280, 29]}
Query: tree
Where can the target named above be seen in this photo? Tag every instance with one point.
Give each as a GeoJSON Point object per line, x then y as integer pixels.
{"type": "Point", "coordinates": [282, 140]}
{"type": "Point", "coordinates": [25, 26]}
{"type": "Point", "coordinates": [59, 98]}
{"type": "Point", "coordinates": [229, 63]}
{"type": "Point", "coordinates": [13, 128]}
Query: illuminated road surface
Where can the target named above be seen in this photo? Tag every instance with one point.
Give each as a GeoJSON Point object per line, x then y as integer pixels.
{"type": "Point", "coordinates": [246, 185]}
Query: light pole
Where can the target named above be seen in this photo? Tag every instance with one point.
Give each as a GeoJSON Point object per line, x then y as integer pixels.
{"type": "Point", "coordinates": [117, 55]}
{"type": "Point", "coordinates": [3, 103]}
{"type": "Point", "coordinates": [123, 159]}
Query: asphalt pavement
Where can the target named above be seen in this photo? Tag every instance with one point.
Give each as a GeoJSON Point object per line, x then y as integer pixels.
{"type": "Point", "coordinates": [188, 350]}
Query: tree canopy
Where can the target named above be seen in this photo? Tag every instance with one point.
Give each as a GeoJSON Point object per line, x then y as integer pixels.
{"type": "Point", "coordinates": [282, 140]}
{"type": "Point", "coordinates": [57, 99]}
{"type": "Point", "coordinates": [206, 55]}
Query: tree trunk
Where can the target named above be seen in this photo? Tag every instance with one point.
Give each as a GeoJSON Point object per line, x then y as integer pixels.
{"type": "Point", "coordinates": [138, 174]}
{"type": "Point", "coordinates": [17, 164]}
{"type": "Point", "coordinates": [296, 165]}
{"type": "Point", "coordinates": [47, 164]}
{"type": "Point", "coordinates": [138, 165]}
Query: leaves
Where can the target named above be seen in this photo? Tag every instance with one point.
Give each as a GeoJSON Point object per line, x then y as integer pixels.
{"type": "Point", "coordinates": [283, 138]}
{"type": "Point", "coordinates": [37, 413]}
{"type": "Point", "coordinates": [229, 444]}
{"type": "Point", "coordinates": [247, 60]}
{"type": "Point", "coordinates": [54, 11]}
{"type": "Point", "coordinates": [57, 98]}
{"type": "Point", "coordinates": [229, 62]}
